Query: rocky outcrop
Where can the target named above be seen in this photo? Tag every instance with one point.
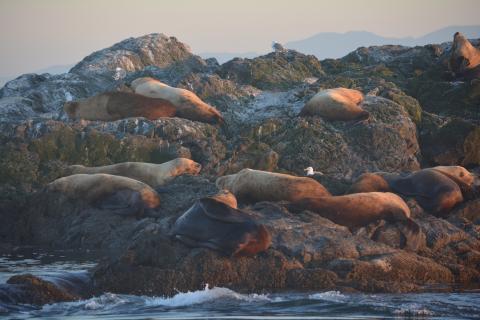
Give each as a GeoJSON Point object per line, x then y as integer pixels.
{"type": "Point", "coordinates": [420, 115]}
{"type": "Point", "coordinates": [386, 142]}
{"type": "Point", "coordinates": [28, 289]}
{"type": "Point", "coordinates": [277, 70]}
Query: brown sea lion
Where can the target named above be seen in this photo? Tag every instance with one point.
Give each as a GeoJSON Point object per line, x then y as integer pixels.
{"type": "Point", "coordinates": [121, 195]}
{"type": "Point", "coordinates": [150, 173]}
{"type": "Point", "coordinates": [464, 58]}
{"type": "Point", "coordinates": [111, 106]}
{"type": "Point", "coordinates": [256, 185]}
{"type": "Point", "coordinates": [336, 104]}
{"type": "Point", "coordinates": [437, 189]}
{"type": "Point", "coordinates": [210, 223]}
{"type": "Point", "coordinates": [358, 209]}
{"type": "Point", "coordinates": [188, 104]}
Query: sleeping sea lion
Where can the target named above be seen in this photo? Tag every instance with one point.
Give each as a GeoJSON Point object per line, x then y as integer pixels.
{"type": "Point", "coordinates": [111, 106]}
{"type": "Point", "coordinates": [150, 173]}
{"type": "Point", "coordinates": [436, 189]}
{"type": "Point", "coordinates": [121, 195]}
{"type": "Point", "coordinates": [256, 185]}
{"type": "Point", "coordinates": [336, 104]}
{"type": "Point", "coordinates": [188, 104]}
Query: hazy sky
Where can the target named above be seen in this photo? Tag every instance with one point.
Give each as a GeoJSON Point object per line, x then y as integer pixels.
{"type": "Point", "coordinates": [36, 34]}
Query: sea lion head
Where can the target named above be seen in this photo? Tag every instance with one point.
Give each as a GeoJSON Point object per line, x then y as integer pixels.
{"type": "Point", "coordinates": [226, 197]}
{"type": "Point", "coordinates": [464, 56]}
{"type": "Point", "coordinates": [139, 81]}
{"type": "Point", "coordinates": [184, 165]}
{"type": "Point", "coordinates": [150, 198]}
{"type": "Point", "coordinates": [225, 182]}
{"type": "Point", "coordinates": [70, 108]}
{"type": "Point", "coordinates": [254, 242]}
{"type": "Point", "coordinates": [200, 111]}
{"type": "Point", "coordinates": [463, 177]}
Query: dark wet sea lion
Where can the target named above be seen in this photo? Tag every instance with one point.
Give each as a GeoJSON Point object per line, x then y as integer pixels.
{"type": "Point", "coordinates": [210, 223]}
{"type": "Point", "coordinates": [436, 189]}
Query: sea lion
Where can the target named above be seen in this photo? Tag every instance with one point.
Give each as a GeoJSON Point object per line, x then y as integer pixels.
{"type": "Point", "coordinates": [256, 185]}
{"type": "Point", "coordinates": [150, 173]}
{"type": "Point", "coordinates": [358, 209]}
{"type": "Point", "coordinates": [460, 175]}
{"type": "Point", "coordinates": [188, 104]}
{"type": "Point", "coordinates": [213, 224]}
{"type": "Point", "coordinates": [464, 58]}
{"type": "Point", "coordinates": [121, 195]}
{"type": "Point", "coordinates": [433, 189]}
{"type": "Point", "coordinates": [111, 106]}
{"type": "Point", "coordinates": [336, 104]}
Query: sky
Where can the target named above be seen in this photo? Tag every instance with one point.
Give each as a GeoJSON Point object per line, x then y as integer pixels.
{"type": "Point", "coordinates": [37, 34]}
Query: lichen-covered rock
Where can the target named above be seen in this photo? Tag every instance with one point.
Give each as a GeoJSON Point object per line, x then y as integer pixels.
{"type": "Point", "coordinates": [276, 70]}
{"type": "Point", "coordinates": [446, 141]}
{"type": "Point", "coordinates": [386, 142]}
{"type": "Point", "coordinates": [134, 54]}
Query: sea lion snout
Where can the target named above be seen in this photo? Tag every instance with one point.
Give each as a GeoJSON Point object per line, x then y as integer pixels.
{"type": "Point", "coordinates": [70, 108]}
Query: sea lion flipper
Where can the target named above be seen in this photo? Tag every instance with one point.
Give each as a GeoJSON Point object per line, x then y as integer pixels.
{"type": "Point", "coordinates": [209, 244]}
{"type": "Point", "coordinates": [414, 237]}
{"type": "Point", "coordinates": [220, 211]}
{"type": "Point", "coordinates": [403, 185]}
{"type": "Point", "coordinates": [123, 202]}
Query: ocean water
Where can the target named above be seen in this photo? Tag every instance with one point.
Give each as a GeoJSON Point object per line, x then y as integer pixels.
{"type": "Point", "coordinates": [223, 303]}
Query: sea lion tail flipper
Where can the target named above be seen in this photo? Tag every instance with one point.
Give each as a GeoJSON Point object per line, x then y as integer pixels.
{"type": "Point", "coordinates": [123, 203]}
{"type": "Point", "coordinates": [209, 244]}
{"type": "Point", "coordinates": [414, 237]}
{"type": "Point", "coordinates": [220, 211]}
{"type": "Point", "coordinates": [161, 190]}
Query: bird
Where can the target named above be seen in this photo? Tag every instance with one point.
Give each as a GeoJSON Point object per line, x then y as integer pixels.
{"type": "Point", "coordinates": [311, 172]}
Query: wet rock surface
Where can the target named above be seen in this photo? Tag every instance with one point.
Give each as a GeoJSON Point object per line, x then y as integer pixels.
{"type": "Point", "coordinates": [421, 116]}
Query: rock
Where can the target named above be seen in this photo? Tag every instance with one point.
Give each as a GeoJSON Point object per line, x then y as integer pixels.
{"type": "Point", "coordinates": [134, 54]}
{"type": "Point", "coordinates": [275, 71]}
{"type": "Point", "coordinates": [446, 141]}
{"type": "Point", "coordinates": [387, 142]}
{"type": "Point", "coordinates": [29, 289]}
{"type": "Point", "coordinates": [305, 248]}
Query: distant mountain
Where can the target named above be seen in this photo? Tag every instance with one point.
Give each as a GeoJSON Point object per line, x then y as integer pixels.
{"type": "Point", "coordinates": [223, 57]}
{"type": "Point", "coordinates": [57, 69]}
{"type": "Point", "coordinates": [336, 45]}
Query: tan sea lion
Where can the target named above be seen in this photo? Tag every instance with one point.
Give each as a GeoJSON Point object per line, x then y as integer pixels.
{"type": "Point", "coordinates": [436, 189]}
{"type": "Point", "coordinates": [188, 104]}
{"type": "Point", "coordinates": [111, 106]}
{"type": "Point", "coordinates": [464, 58]}
{"type": "Point", "coordinates": [122, 195]}
{"type": "Point", "coordinates": [150, 173]}
{"type": "Point", "coordinates": [257, 185]}
{"type": "Point", "coordinates": [336, 104]}
{"type": "Point", "coordinates": [213, 224]}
